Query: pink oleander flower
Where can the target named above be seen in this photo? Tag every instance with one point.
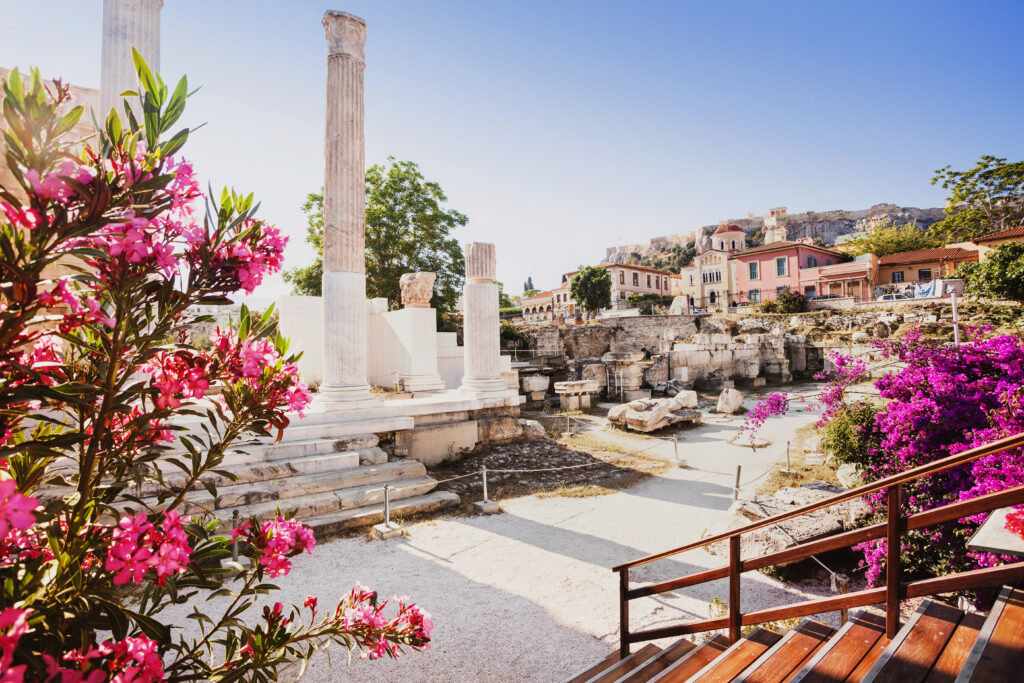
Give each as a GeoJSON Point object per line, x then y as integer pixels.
{"type": "Point", "coordinates": [277, 540]}
{"type": "Point", "coordinates": [13, 625]}
{"type": "Point", "coordinates": [138, 546]}
{"type": "Point", "coordinates": [15, 508]}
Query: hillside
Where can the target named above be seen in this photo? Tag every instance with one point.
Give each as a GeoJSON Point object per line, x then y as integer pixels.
{"type": "Point", "coordinates": [670, 250]}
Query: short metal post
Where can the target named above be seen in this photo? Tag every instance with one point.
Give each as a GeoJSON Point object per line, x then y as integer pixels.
{"type": "Point", "coordinates": [788, 469]}
{"type": "Point", "coordinates": [956, 322]}
{"type": "Point", "coordinates": [483, 476]}
{"type": "Point", "coordinates": [736, 489]}
{"type": "Point", "coordinates": [842, 587]}
{"type": "Point", "coordinates": [387, 504]}
{"type": "Point", "coordinates": [234, 543]}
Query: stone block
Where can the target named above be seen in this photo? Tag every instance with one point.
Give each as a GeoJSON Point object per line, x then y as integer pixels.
{"type": "Point", "coordinates": [636, 394]}
{"type": "Point", "coordinates": [532, 428]}
{"type": "Point", "coordinates": [495, 428]}
{"type": "Point", "coordinates": [650, 415]}
{"type": "Point", "coordinates": [687, 399]}
{"type": "Point", "coordinates": [595, 372]}
{"type": "Point", "coordinates": [438, 442]}
{"type": "Point", "coordinates": [569, 401]}
{"type": "Point", "coordinates": [729, 401]}
{"type": "Point", "coordinates": [534, 383]}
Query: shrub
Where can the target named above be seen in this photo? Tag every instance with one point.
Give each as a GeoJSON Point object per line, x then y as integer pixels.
{"type": "Point", "coordinates": [850, 434]}
{"type": "Point", "coordinates": [98, 376]}
{"type": "Point", "coordinates": [791, 302]}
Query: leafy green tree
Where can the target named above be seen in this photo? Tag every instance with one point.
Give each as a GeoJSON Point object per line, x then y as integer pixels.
{"type": "Point", "coordinates": [987, 198]}
{"type": "Point", "coordinates": [591, 287]}
{"type": "Point", "coordinates": [408, 229]}
{"type": "Point", "coordinates": [999, 276]}
{"type": "Point", "coordinates": [889, 238]}
{"type": "Point", "coordinates": [790, 302]}
{"type": "Point", "coordinates": [504, 301]}
{"type": "Point", "coordinates": [531, 292]}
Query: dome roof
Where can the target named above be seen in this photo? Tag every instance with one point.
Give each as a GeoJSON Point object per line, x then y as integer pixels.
{"type": "Point", "coordinates": [730, 227]}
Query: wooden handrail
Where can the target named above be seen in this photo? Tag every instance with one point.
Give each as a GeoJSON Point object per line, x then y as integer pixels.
{"type": "Point", "coordinates": [901, 478]}
{"type": "Point", "coordinates": [892, 529]}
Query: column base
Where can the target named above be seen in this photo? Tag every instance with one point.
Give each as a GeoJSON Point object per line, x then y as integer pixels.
{"type": "Point", "coordinates": [484, 385]}
{"type": "Point", "coordinates": [340, 397]}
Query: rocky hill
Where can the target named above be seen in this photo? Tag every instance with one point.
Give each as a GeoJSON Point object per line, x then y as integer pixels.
{"type": "Point", "coordinates": [826, 225]}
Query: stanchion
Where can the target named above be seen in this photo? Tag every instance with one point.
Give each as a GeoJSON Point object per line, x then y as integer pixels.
{"type": "Point", "coordinates": [736, 489]}
{"type": "Point", "coordinates": [675, 445]}
{"type": "Point", "coordinates": [387, 529]}
{"type": "Point", "coordinates": [788, 469]}
{"type": "Point", "coordinates": [487, 506]}
{"type": "Point", "coordinates": [234, 543]}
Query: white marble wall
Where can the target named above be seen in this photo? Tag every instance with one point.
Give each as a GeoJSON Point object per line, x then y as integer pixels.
{"type": "Point", "coordinates": [126, 24]}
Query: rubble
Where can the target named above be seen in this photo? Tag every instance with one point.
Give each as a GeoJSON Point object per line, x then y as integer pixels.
{"type": "Point", "coordinates": [652, 414]}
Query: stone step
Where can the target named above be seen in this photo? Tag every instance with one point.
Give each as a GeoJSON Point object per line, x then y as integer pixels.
{"type": "Point", "coordinates": [312, 505]}
{"type": "Point", "coordinates": [303, 429]}
{"type": "Point", "coordinates": [278, 490]}
{"type": "Point", "coordinates": [295, 446]}
{"type": "Point", "coordinates": [374, 514]}
{"type": "Point", "coordinates": [263, 471]}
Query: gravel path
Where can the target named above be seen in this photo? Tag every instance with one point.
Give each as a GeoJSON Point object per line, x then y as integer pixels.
{"type": "Point", "coordinates": [528, 595]}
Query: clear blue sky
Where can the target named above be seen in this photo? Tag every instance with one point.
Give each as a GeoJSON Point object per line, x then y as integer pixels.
{"type": "Point", "coordinates": [561, 128]}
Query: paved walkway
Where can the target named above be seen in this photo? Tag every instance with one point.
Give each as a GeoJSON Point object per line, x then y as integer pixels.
{"type": "Point", "coordinates": [528, 595]}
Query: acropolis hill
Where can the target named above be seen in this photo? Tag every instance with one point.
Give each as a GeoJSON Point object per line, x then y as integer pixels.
{"type": "Point", "coordinates": [827, 225]}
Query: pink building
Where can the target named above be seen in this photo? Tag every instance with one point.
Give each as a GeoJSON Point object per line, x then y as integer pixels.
{"type": "Point", "coordinates": [762, 272]}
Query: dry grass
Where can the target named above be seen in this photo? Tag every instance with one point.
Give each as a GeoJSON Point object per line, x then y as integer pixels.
{"type": "Point", "coordinates": [801, 473]}
{"type": "Point", "coordinates": [581, 491]}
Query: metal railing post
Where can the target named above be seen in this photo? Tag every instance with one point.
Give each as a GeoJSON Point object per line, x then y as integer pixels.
{"type": "Point", "coordinates": [734, 589]}
{"type": "Point", "coordinates": [893, 567]}
{"type": "Point", "coordinates": [483, 475]}
{"type": "Point", "coordinates": [736, 489]}
{"type": "Point", "coordinates": [387, 504]}
{"type": "Point", "coordinates": [623, 613]}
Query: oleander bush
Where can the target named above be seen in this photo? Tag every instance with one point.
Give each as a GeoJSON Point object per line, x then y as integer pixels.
{"type": "Point", "coordinates": [104, 247]}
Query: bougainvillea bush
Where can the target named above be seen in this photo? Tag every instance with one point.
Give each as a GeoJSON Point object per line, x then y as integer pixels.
{"type": "Point", "coordinates": [940, 399]}
{"type": "Point", "coordinates": [104, 247]}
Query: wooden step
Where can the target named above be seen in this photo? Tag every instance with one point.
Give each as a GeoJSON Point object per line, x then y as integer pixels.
{"type": "Point", "coordinates": [853, 644]}
{"type": "Point", "coordinates": [998, 651]}
{"type": "Point", "coordinates": [626, 665]}
{"type": "Point", "coordinates": [953, 657]}
{"type": "Point", "coordinates": [781, 661]}
{"type": "Point", "coordinates": [592, 671]}
{"type": "Point", "coordinates": [917, 646]}
{"type": "Point", "coordinates": [733, 661]}
{"type": "Point", "coordinates": [659, 662]}
{"type": "Point", "coordinates": [693, 661]}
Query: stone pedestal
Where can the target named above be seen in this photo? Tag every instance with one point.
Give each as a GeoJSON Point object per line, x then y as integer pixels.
{"type": "Point", "coordinates": [481, 326]}
{"type": "Point", "coordinates": [416, 329]}
{"type": "Point", "coordinates": [126, 24]}
{"type": "Point", "coordinates": [575, 395]}
{"type": "Point", "coordinates": [344, 279]}
{"type": "Point", "coordinates": [535, 387]}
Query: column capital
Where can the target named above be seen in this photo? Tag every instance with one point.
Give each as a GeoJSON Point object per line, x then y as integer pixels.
{"type": "Point", "coordinates": [480, 262]}
{"type": "Point", "coordinates": [346, 35]}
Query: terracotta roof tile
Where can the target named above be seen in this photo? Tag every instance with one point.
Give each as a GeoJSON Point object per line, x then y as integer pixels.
{"type": "Point", "coordinates": [924, 255]}
{"type": "Point", "coordinates": [729, 227]}
{"type": "Point", "coordinates": [786, 245]}
{"type": "Point", "coordinates": [1001, 235]}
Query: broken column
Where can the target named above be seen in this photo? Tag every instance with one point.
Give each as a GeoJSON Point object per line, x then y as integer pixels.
{"type": "Point", "coordinates": [126, 24]}
{"type": "Point", "coordinates": [481, 329]}
{"type": "Point", "coordinates": [344, 278]}
{"type": "Point", "coordinates": [416, 328]}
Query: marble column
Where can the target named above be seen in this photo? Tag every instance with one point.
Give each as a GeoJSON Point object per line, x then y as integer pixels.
{"type": "Point", "coordinates": [344, 279]}
{"type": "Point", "coordinates": [126, 24]}
{"type": "Point", "coordinates": [481, 328]}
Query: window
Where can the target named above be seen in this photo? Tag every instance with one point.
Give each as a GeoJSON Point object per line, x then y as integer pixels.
{"type": "Point", "coordinates": [648, 280]}
{"type": "Point", "coordinates": [828, 262]}
{"type": "Point", "coordinates": [897, 276]}
{"type": "Point", "coordinates": [754, 296]}
{"type": "Point", "coordinates": [732, 245]}
{"type": "Point", "coordinates": [752, 269]}
{"type": "Point", "coordinates": [809, 291]}
{"type": "Point", "coordinates": [657, 282]}
{"type": "Point", "coordinates": [622, 277]}
{"type": "Point", "coordinates": [636, 279]}
{"type": "Point", "coordinates": [691, 278]}
{"type": "Point", "coordinates": [812, 262]}
{"type": "Point", "coordinates": [924, 274]}
{"type": "Point", "coordinates": [780, 265]}
{"type": "Point", "coordinates": [780, 289]}
{"type": "Point", "coordinates": [721, 244]}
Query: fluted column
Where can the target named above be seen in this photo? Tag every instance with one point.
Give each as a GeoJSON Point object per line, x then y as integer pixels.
{"type": "Point", "coordinates": [344, 279]}
{"type": "Point", "coordinates": [126, 24]}
{"type": "Point", "coordinates": [481, 329]}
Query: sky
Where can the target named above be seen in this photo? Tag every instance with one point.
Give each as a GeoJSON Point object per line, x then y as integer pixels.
{"type": "Point", "coordinates": [562, 128]}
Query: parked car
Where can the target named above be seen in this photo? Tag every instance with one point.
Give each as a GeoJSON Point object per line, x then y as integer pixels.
{"type": "Point", "coordinates": [892, 297]}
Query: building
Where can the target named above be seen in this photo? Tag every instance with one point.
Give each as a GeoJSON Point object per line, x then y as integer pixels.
{"type": "Point", "coordinates": [710, 280]}
{"type": "Point", "coordinates": [987, 243]}
{"type": "Point", "coordinates": [627, 280]}
{"type": "Point", "coordinates": [762, 272]}
{"type": "Point", "coordinates": [773, 230]}
{"type": "Point", "coordinates": [538, 308]}
{"type": "Point", "coordinates": [922, 265]}
{"type": "Point", "coordinates": [855, 279]}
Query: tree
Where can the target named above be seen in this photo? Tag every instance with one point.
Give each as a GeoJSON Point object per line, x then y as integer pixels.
{"type": "Point", "coordinates": [531, 292]}
{"type": "Point", "coordinates": [999, 276]}
{"type": "Point", "coordinates": [528, 285]}
{"type": "Point", "coordinates": [408, 229]}
{"type": "Point", "coordinates": [591, 287]}
{"type": "Point", "coordinates": [504, 301]}
{"type": "Point", "coordinates": [889, 238]}
{"type": "Point", "coordinates": [99, 571]}
{"type": "Point", "coordinates": [985, 199]}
